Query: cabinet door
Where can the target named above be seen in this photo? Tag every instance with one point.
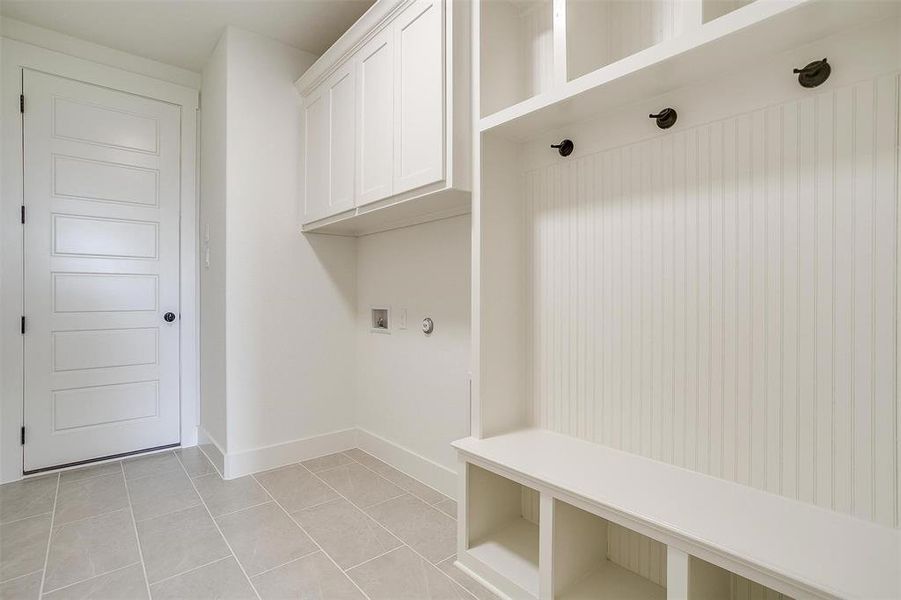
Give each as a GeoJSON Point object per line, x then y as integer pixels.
{"type": "Point", "coordinates": [419, 96]}
{"type": "Point", "coordinates": [342, 116]}
{"type": "Point", "coordinates": [375, 118]}
{"type": "Point", "coordinates": [317, 149]}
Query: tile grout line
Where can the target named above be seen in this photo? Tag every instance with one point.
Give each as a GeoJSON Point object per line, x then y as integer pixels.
{"type": "Point", "coordinates": [231, 512]}
{"type": "Point", "coordinates": [368, 560]}
{"type": "Point", "coordinates": [20, 576]}
{"type": "Point", "coordinates": [74, 583]}
{"type": "Point", "coordinates": [403, 542]}
{"type": "Point", "coordinates": [219, 529]}
{"type": "Point", "coordinates": [307, 533]}
{"type": "Point", "coordinates": [49, 538]}
{"type": "Point", "coordinates": [288, 562]}
{"type": "Point", "coordinates": [364, 465]}
{"type": "Point", "coordinates": [43, 514]}
{"type": "Point", "coordinates": [134, 525]}
{"type": "Point", "coordinates": [192, 569]}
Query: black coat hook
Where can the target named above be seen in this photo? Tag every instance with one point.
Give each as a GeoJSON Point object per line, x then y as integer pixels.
{"type": "Point", "coordinates": [666, 118]}
{"type": "Point", "coordinates": [565, 148]}
{"type": "Point", "coordinates": [814, 73]}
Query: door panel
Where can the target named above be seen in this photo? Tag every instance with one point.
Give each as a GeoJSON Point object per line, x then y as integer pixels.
{"type": "Point", "coordinates": [419, 103]}
{"type": "Point", "coordinates": [101, 268]}
{"type": "Point", "coordinates": [375, 105]}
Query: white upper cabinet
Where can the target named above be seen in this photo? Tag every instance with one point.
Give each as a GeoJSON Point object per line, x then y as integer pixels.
{"type": "Point", "coordinates": [375, 110]}
{"type": "Point", "coordinates": [329, 146]}
{"type": "Point", "coordinates": [316, 154]}
{"type": "Point", "coordinates": [419, 96]}
{"type": "Point", "coordinates": [388, 120]}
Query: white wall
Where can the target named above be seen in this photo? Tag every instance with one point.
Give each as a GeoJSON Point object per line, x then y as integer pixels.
{"type": "Point", "coordinates": [413, 389]}
{"type": "Point", "coordinates": [212, 221]}
{"type": "Point", "coordinates": [290, 297]}
{"type": "Point", "coordinates": [277, 357]}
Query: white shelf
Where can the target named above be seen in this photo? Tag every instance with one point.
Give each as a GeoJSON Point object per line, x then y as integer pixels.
{"type": "Point", "coordinates": [511, 551]}
{"type": "Point", "coordinates": [751, 33]}
{"type": "Point", "coordinates": [612, 582]}
{"type": "Point", "coordinates": [806, 549]}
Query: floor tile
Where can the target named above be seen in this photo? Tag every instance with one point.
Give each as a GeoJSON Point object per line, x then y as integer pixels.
{"type": "Point", "coordinates": [448, 507]}
{"type": "Point", "coordinates": [360, 485]}
{"type": "Point", "coordinates": [89, 498]}
{"type": "Point", "coordinates": [92, 471]}
{"type": "Point", "coordinates": [471, 585]}
{"type": "Point", "coordinates": [23, 588]}
{"type": "Point", "coordinates": [295, 488]}
{"type": "Point", "coordinates": [194, 461]}
{"type": "Point", "coordinates": [347, 534]}
{"type": "Point", "coordinates": [180, 541]}
{"type": "Point", "coordinates": [329, 461]}
{"type": "Point", "coordinates": [402, 575]}
{"type": "Point", "coordinates": [427, 530]}
{"type": "Point", "coordinates": [264, 537]}
{"type": "Point", "coordinates": [222, 580]}
{"type": "Point", "coordinates": [224, 496]}
{"type": "Point", "coordinates": [124, 584]}
{"type": "Point", "coordinates": [23, 546]}
{"type": "Point", "coordinates": [154, 464]}
{"type": "Point", "coordinates": [314, 577]}
{"type": "Point", "coordinates": [27, 498]}
{"type": "Point", "coordinates": [398, 478]}
{"type": "Point", "coordinates": [157, 495]}
{"type": "Point", "coordinates": [90, 547]}
{"type": "Point", "coordinates": [214, 455]}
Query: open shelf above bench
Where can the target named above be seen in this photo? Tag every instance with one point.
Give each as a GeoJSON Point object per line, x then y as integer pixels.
{"type": "Point", "coordinates": [793, 547]}
{"type": "Point", "coordinates": [709, 50]}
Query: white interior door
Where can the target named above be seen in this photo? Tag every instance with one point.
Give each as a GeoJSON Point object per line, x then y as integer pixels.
{"type": "Point", "coordinates": [101, 271]}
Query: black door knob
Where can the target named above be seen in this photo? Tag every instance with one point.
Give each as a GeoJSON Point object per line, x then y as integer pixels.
{"type": "Point", "coordinates": [169, 317]}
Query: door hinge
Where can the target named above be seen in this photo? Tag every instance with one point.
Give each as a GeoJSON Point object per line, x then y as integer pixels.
{"type": "Point", "coordinates": [22, 103]}
{"type": "Point", "coordinates": [23, 324]}
{"type": "Point", "coordinates": [23, 214]}
{"type": "Point", "coordinates": [23, 435]}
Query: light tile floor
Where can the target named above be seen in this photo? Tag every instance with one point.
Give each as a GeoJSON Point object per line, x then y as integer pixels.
{"type": "Point", "coordinates": [341, 527]}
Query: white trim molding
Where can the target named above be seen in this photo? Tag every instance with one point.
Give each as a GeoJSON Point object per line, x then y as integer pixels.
{"type": "Point", "coordinates": [415, 465]}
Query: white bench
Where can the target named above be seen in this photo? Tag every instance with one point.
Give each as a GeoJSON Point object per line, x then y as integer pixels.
{"type": "Point", "coordinates": [792, 547]}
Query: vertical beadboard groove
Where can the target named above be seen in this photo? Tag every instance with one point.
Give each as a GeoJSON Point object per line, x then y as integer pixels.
{"type": "Point", "coordinates": [717, 298]}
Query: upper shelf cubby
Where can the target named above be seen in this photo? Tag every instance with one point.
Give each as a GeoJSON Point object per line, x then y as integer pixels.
{"type": "Point", "coordinates": [600, 32]}
{"type": "Point", "coordinates": [617, 53]}
{"type": "Point", "coordinates": [517, 51]}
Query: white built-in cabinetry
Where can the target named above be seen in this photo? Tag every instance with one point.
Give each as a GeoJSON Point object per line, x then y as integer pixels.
{"type": "Point", "coordinates": [685, 341]}
{"type": "Point", "coordinates": [387, 133]}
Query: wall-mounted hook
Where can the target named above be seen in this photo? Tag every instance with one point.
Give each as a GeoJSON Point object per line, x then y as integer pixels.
{"type": "Point", "coordinates": [565, 148]}
{"type": "Point", "coordinates": [666, 118]}
{"type": "Point", "coordinates": [814, 73]}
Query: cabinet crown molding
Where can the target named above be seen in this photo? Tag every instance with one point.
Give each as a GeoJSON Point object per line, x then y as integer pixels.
{"type": "Point", "coordinates": [369, 25]}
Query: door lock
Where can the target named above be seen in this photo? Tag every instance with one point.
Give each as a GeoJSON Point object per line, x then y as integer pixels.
{"type": "Point", "coordinates": [169, 317]}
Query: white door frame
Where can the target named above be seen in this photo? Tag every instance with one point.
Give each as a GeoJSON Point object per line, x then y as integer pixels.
{"type": "Point", "coordinates": [15, 57]}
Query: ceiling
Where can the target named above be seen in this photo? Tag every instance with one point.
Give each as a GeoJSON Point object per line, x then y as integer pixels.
{"type": "Point", "coordinates": [184, 32]}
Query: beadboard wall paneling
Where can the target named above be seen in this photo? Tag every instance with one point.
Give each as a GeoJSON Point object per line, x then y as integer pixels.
{"type": "Point", "coordinates": [637, 553]}
{"type": "Point", "coordinates": [531, 505]}
{"type": "Point", "coordinates": [724, 298]}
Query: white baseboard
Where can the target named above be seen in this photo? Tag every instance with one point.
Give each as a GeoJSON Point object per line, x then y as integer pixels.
{"type": "Point", "coordinates": [238, 464]}
{"type": "Point", "coordinates": [425, 470]}
{"type": "Point", "coordinates": [211, 448]}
